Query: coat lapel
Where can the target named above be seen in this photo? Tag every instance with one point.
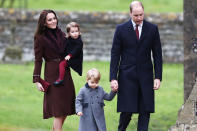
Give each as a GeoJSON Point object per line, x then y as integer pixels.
{"type": "Point", "coordinates": [131, 31]}
{"type": "Point", "coordinates": [144, 30]}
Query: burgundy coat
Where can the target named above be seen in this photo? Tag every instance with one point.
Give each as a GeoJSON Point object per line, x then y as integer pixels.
{"type": "Point", "coordinates": [58, 101]}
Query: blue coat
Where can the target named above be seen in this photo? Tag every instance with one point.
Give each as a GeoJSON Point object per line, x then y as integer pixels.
{"type": "Point", "coordinates": [91, 103]}
{"type": "Point", "coordinates": [131, 65]}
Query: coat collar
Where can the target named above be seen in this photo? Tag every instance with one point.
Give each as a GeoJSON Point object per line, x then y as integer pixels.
{"type": "Point", "coordinates": [55, 40]}
{"type": "Point", "coordinates": [131, 29]}
{"type": "Point", "coordinates": [88, 87]}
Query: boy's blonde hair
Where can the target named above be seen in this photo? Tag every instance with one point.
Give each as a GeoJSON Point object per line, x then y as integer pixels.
{"type": "Point", "coordinates": [93, 73]}
{"type": "Point", "coordinates": [72, 24]}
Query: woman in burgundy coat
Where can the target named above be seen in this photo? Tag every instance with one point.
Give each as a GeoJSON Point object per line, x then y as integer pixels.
{"type": "Point", "coordinates": [49, 44]}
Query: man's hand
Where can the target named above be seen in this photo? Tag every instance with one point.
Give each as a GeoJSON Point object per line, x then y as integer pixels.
{"type": "Point", "coordinates": [114, 85]}
{"type": "Point", "coordinates": [156, 84]}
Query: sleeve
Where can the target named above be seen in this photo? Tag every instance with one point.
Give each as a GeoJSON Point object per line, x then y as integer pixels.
{"type": "Point", "coordinates": [78, 102]}
{"type": "Point", "coordinates": [109, 96]}
{"type": "Point", "coordinates": [38, 52]}
{"type": "Point", "coordinates": [157, 55]}
{"type": "Point", "coordinates": [70, 55]}
{"type": "Point", "coordinates": [115, 55]}
{"type": "Point", "coordinates": [77, 48]}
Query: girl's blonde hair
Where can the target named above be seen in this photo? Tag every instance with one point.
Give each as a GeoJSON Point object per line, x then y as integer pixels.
{"type": "Point", "coordinates": [93, 73]}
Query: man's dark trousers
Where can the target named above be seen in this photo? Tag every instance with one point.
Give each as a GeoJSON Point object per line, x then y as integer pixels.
{"type": "Point", "coordinates": [143, 118]}
{"type": "Point", "coordinates": [143, 121]}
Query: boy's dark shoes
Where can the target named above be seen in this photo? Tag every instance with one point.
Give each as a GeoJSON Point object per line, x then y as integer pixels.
{"type": "Point", "coordinates": [44, 84]}
{"type": "Point", "coordinates": [58, 83]}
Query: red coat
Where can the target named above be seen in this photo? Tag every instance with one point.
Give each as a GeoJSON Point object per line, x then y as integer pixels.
{"type": "Point", "coordinates": [58, 101]}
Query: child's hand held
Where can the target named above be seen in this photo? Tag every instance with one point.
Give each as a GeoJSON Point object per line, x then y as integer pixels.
{"type": "Point", "coordinates": [79, 113]}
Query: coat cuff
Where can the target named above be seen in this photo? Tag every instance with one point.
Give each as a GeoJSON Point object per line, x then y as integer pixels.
{"type": "Point", "coordinates": [36, 78]}
{"type": "Point", "coordinates": [70, 55]}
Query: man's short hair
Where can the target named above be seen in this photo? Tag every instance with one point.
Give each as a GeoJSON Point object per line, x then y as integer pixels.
{"type": "Point", "coordinates": [131, 5]}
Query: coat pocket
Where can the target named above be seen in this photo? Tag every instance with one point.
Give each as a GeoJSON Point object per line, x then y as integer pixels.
{"type": "Point", "coordinates": [85, 105]}
{"type": "Point", "coordinates": [126, 67]}
{"type": "Point", "coordinates": [102, 104]}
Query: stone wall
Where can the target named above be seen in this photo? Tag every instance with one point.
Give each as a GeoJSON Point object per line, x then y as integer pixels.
{"type": "Point", "coordinates": [17, 28]}
{"type": "Point", "coordinates": [190, 42]}
{"type": "Point", "coordinates": [187, 115]}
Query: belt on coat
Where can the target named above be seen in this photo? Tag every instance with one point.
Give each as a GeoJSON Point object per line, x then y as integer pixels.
{"type": "Point", "coordinates": [55, 60]}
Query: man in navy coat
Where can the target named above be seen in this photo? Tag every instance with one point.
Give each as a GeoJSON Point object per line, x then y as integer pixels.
{"type": "Point", "coordinates": [131, 69]}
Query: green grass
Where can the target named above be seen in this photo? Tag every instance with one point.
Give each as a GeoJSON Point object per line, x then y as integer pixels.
{"type": "Point", "coordinates": [104, 5]}
{"type": "Point", "coordinates": [21, 103]}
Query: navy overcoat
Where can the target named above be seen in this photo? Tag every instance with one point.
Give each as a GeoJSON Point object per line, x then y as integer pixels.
{"type": "Point", "coordinates": [132, 66]}
{"type": "Point", "coordinates": [75, 48]}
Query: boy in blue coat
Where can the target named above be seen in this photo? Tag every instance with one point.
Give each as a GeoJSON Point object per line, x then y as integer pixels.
{"type": "Point", "coordinates": [90, 103]}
